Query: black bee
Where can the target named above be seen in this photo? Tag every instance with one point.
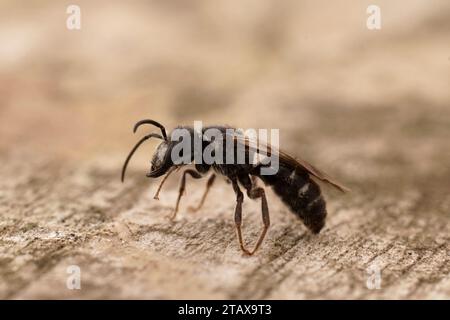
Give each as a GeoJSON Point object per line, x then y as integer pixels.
{"type": "Point", "coordinates": [293, 181]}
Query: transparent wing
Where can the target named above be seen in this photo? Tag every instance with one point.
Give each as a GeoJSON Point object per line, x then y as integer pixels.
{"type": "Point", "coordinates": [262, 147]}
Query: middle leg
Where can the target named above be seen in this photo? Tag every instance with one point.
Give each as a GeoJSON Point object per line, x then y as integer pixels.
{"type": "Point", "coordinates": [208, 186]}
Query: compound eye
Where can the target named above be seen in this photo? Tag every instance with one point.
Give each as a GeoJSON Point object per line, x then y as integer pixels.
{"type": "Point", "coordinates": [159, 156]}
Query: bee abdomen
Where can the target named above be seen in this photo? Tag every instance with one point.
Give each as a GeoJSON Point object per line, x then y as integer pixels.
{"type": "Point", "coordinates": [301, 194]}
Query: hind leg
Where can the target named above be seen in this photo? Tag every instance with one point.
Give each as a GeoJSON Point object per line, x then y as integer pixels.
{"type": "Point", "coordinates": [238, 214]}
{"type": "Point", "coordinates": [255, 192]}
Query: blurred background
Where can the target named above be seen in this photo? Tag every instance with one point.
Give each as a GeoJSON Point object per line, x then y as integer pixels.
{"type": "Point", "coordinates": [370, 107]}
{"type": "Point", "coordinates": [337, 91]}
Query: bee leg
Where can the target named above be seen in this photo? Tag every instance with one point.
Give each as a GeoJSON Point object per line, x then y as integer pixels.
{"type": "Point", "coordinates": [156, 196]}
{"type": "Point", "coordinates": [238, 214]}
{"type": "Point", "coordinates": [254, 181]}
{"type": "Point", "coordinates": [194, 174]}
{"type": "Point", "coordinates": [255, 192]}
{"type": "Point", "coordinates": [208, 186]}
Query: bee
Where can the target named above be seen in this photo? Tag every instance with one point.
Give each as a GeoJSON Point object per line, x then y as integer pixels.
{"type": "Point", "coordinates": [293, 182]}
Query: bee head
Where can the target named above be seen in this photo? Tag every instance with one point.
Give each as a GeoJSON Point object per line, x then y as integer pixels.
{"type": "Point", "coordinates": [161, 161]}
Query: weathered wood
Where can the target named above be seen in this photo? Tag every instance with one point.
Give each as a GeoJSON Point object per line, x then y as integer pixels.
{"type": "Point", "coordinates": [54, 217]}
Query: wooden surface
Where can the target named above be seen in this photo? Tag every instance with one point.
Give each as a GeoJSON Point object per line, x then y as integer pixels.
{"type": "Point", "coordinates": [55, 216]}
{"type": "Point", "coordinates": [372, 110]}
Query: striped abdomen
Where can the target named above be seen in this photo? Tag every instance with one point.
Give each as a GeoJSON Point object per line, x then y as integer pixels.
{"type": "Point", "coordinates": [301, 194]}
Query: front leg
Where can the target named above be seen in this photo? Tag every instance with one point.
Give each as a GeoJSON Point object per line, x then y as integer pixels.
{"type": "Point", "coordinates": [169, 172]}
{"type": "Point", "coordinates": [194, 174]}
